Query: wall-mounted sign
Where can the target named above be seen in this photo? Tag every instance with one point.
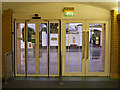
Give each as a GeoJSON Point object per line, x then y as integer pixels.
{"type": "Point", "coordinates": [33, 38]}
{"type": "Point", "coordinates": [68, 14]}
{"type": "Point", "coordinates": [54, 39]}
{"type": "Point", "coordinates": [68, 11]}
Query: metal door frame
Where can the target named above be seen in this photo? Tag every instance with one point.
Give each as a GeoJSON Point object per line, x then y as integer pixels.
{"type": "Point", "coordinates": [85, 63]}
{"type": "Point", "coordinates": [63, 47]}
{"type": "Point", "coordinates": [107, 52]}
{"type": "Point", "coordinates": [15, 60]}
{"type": "Point", "coordinates": [54, 21]}
{"type": "Point", "coordinates": [37, 46]}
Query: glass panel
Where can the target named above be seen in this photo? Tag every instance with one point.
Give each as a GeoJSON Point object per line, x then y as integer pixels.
{"type": "Point", "coordinates": [31, 48]}
{"type": "Point", "coordinates": [73, 47]}
{"type": "Point", "coordinates": [20, 48]}
{"type": "Point", "coordinates": [43, 48]}
{"type": "Point", "coordinates": [53, 48]}
{"type": "Point", "coordinates": [96, 47]}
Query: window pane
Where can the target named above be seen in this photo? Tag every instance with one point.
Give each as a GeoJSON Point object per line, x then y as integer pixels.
{"type": "Point", "coordinates": [96, 47]}
{"type": "Point", "coordinates": [53, 48]}
{"type": "Point", "coordinates": [31, 48]}
{"type": "Point", "coordinates": [73, 47]}
{"type": "Point", "coordinates": [20, 48]}
{"type": "Point", "coordinates": [43, 48]}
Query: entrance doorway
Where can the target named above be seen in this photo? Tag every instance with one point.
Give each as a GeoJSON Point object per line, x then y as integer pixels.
{"type": "Point", "coordinates": [81, 48]}
{"type": "Point", "coordinates": [86, 51]}
{"type": "Point", "coordinates": [37, 47]}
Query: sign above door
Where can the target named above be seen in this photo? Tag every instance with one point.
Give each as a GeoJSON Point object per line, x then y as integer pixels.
{"type": "Point", "coordinates": [68, 11]}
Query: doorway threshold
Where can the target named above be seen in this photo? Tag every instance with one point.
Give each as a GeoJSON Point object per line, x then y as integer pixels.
{"type": "Point", "coordinates": [66, 78]}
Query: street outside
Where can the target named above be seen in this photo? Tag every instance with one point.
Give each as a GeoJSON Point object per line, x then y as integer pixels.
{"type": "Point", "coordinates": [73, 60]}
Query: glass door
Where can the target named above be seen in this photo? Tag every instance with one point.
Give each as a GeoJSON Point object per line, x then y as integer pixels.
{"type": "Point", "coordinates": [19, 48]}
{"type": "Point", "coordinates": [25, 47]}
{"type": "Point", "coordinates": [54, 48]}
{"type": "Point", "coordinates": [48, 48]}
{"type": "Point", "coordinates": [97, 49]}
{"type": "Point", "coordinates": [74, 44]}
{"type": "Point", "coordinates": [37, 48]}
{"type": "Point", "coordinates": [31, 51]}
{"type": "Point", "coordinates": [43, 48]}
{"type": "Point", "coordinates": [85, 47]}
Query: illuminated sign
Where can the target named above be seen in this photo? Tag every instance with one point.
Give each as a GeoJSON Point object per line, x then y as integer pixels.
{"type": "Point", "coordinates": [68, 14]}
{"type": "Point", "coordinates": [68, 11]}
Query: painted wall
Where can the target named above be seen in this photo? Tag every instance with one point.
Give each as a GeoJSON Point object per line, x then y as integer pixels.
{"type": "Point", "coordinates": [55, 11]}
{"type": "Point", "coordinates": [6, 38]}
{"type": "Point", "coordinates": [114, 45]}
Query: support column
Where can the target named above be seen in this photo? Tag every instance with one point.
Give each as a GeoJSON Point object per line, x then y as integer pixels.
{"type": "Point", "coordinates": [114, 45]}
{"type": "Point", "coordinates": [6, 36]}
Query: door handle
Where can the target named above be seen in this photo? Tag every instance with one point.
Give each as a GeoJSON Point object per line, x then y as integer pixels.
{"type": "Point", "coordinates": [83, 40]}
{"type": "Point", "coordinates": [87, 45]}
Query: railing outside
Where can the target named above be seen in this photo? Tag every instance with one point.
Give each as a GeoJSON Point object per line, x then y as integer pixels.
{"type": "Point", "coordinates": [8, 65]}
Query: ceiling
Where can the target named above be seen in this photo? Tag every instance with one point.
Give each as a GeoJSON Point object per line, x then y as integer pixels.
{"type": "Point", "coordinates": [105, 5]}
{"type": "Point", "coordinates": [14, 5]}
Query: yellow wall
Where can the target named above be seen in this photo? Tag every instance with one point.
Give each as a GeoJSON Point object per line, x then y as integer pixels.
{"type": "Point", "coordinates": [55, 11]}
{"type": "Point", "coordinates": [114, 44]}
{"type": "Point", "coordinates": [6, 36]}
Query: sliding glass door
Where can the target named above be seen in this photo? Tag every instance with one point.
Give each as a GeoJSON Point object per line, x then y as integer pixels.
{"type": "Point", "coordinates": [37, 48]}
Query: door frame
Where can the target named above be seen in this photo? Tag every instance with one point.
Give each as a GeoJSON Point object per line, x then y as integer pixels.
{"type": "Point", "coordinates": [37, 47]}
{"type": "Point", "coordinates": [15, 60]}
{"type": "Point", "coordinates": [59, 43]}
{"type": "Point", "coordinates": [63, 48]}
{"type": "Point", "coordinates": [107, 46]}
{"type": "Point", "coordinates": [48, 21]}
{"type": "Point", "coordinates": [85, 62]}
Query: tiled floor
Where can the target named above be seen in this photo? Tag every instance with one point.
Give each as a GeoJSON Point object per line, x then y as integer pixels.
{"type": "Point", "coordinates": [65, 82]}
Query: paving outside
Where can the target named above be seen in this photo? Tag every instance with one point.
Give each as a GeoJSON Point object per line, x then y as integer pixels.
{"type": "Point", "coordinates": [42, 61]}
{"type": "Point", "coordinates": [73, 60]}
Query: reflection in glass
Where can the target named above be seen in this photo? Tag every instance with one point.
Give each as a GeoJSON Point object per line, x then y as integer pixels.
{"type": "Point", "coordinates": [43, 48]}
{"type": "Point", "coordinates": [53, 48]}
{"type": "Point", "coordinates": [20, 48]}
{"type": "Point", "coordinates": [96, 47]}
{"type": "Point", "coordinates": [31, 48]}
{"type": "Point", "coordinates": [73, 47]}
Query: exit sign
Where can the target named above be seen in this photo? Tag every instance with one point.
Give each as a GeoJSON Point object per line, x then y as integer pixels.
{"type": "Point", "coordinates": [68, 11]}
{"type": "Point", "coordinates": [68, 14]}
